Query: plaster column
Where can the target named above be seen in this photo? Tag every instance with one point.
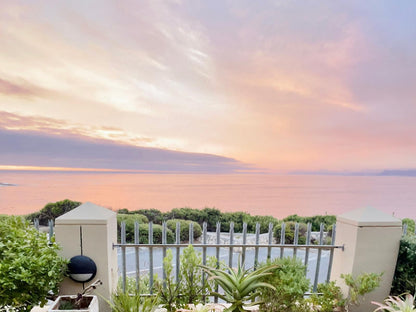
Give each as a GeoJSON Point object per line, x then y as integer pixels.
{"type": "Point", "coordinates": [371, 239]}
{"type": "Point", "coordinates": [90, 230]}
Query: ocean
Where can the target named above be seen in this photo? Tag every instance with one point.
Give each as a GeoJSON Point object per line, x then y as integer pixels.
{"type": "Point", "coordinates": [275, 195]}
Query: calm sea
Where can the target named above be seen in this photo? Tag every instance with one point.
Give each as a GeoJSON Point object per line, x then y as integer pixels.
{"type": "Point", "coordinates": [276, 195]}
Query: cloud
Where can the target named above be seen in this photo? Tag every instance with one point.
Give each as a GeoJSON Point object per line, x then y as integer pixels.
{"type": "Point", "coordinates": [22, 89]}
{"type": "Point", "coordinates": [283, 84]}
{"type": "Point", "coordinates": [27, 141]}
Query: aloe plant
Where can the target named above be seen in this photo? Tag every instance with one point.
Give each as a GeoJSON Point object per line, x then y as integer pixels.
{"type": "Point", "coordinates": [240, 285]}
{"type": "Point", "coordinates": [396, 303]}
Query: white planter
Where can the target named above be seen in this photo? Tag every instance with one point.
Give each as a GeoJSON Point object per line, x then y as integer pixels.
{"type": "Point", "coordinates": [92, 307]}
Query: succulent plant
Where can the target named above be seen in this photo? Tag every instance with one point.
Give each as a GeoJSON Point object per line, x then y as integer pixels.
{"type": "Point", "coordinates": [240, 285]}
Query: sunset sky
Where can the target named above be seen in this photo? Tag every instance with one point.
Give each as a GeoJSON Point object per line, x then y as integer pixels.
{"type": "Point", "coordinates": [208, 86]}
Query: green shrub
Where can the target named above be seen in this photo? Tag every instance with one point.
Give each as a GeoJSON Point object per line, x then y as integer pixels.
{"type": "Point", "coordinates": [157, 235]}
{"type": "Point", "coordinates": [184, 228]}
{"type": "Point", "coordinates": [264, 222]}
{"type": "Point", "coordinates": [290, 284]}
{"type": "Point", "coordinates": [238, 218]}
{"type": "Point", "coordinates": [51, 211]}
{"type": "Point", "coordinates": [315, 221]}
{"type": "Point", "coordinates": [328, 298]}
{"type": "Point", "coordinates": [29, 266]}
{"type": "Point", "coordinates": [404, 280]}
{"type": "Point", "coordinates": [410, 226]}
{"type": "Point", "coordinates": [211, 217]}
{"type": "Point", "coordinates": [153, 215]}
{"type": "Point", "coordinates": [359, 286]}
{"type": "Point", "coordinates": [290, 233]}
{"type": "Point", "coordinates": [144, 234]}
{"type": "Point", "coordinates": [130, 220]}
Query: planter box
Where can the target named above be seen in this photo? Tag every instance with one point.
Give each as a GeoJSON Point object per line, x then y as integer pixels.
{"type": "Point", "coordinates": [90, 303]}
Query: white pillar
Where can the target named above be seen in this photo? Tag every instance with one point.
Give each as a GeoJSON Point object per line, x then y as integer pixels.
{"type": "Point", "coordinates": [90, 230]}
{"type": "Point", "coordinates": [371, 239]}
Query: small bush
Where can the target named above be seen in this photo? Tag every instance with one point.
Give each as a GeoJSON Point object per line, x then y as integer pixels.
{"type": "Point", "coordinates": [290, 282]}
{"type": "Point", "coordinates": [316, 221]}
{"type": "Point", "coordinates": [29, 268]}
{"type": "Point", "coordinates": [328, 297]}
{"type": "Point", "coordinates": [129, 219]}
{"type": "Point", "coordinates": [184, 228]}
{"type": "Point", "coordinates": [290, 233]}
{"type": "Point", "coordinates": [404, 280]}
{"type": "Point", "coordinates": [153, 215]}
{"type": "Point", "coordinates": [410, 226]}
{"type": "Point", "coordinates": [264, 222]}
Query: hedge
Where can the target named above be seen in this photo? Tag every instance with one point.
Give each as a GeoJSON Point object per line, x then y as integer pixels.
{"type": "Point", "coordinates": [404, 280]}
{"type": "Point", "coordinates": [184, 228]}
{"type": "Point", "coordinates": [290, 232]}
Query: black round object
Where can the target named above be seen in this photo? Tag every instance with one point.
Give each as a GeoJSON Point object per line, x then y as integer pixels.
{"type": "Point", "coordinates": [81, 269]}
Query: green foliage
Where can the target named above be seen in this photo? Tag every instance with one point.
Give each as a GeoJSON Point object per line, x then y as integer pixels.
{"type": "Point", "coordinates": [329, 297]}
{"type": "Point", "coordinates": [264, 222]}
{"type": "Point", "coordinates": [360, 285]}
{"type": "Point", "coordinates": [190, 287]}
{"type": "Point", "coordinates": [316, 220]}
{"type": "Point", "coordinates": [157, 234]}
{"type": "Point", "coordinates": [211, 216]}
{"type": "Point", "coordinates": [397, 303]}
{"type": "Point", "coordinates": [124, 302]}
{"type": "Point", "coordinates": [290, 282]}
{"type": "Point", "coordinates": [187, 214]}
{"type": "Point", "coordinates": [240, 286]}
{"type": "Point", "coordinates": [29, 266]}
{"type": "Point", "coordinates": [404, 280]}
{"type": "Point", "coordinates": [238, 218]}
{"type": "Point", "coordinates": [184, 228]}
{"type": "Point", "coordinates": [130, 220]}
{"type": "Point", "coordinates": [332, 298]}
{"type": "Point", "coordinates": [144, 285]}
{"type": "Point", "coordinates": [153, 215]}
{"type": "Point", "coordinates": [53, 210]}
{"type": "Point", "coordinates": [410, 226]}
{"type": "Point", "coordinates": [168, 291]}
{"type": "Point", "coordinates": [290, 233]}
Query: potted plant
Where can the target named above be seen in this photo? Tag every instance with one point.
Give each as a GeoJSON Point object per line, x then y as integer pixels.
{"type": "Point", "coordinates": [79, 302]}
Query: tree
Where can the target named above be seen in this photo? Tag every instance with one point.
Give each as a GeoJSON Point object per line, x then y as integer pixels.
{"type": "Point", "coordinates": [53, 210]}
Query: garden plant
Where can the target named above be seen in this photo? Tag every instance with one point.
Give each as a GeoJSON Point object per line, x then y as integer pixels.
{"type": "Point", "coordinates": [30, 267]}
{"type": "Point", "coordinates": [241, 286]}
{"type": "Point", "coordinates": [397, 303]}
{"type": "Point", "coordinates": [290, 284]}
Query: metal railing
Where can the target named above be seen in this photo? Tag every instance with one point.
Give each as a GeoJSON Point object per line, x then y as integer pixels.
{"type": "Point", "coordinates": [140, 258]}
{"type": "Point", "coordinates": [50, 232]}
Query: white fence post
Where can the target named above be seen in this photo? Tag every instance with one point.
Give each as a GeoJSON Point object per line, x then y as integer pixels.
{"type": "Point", "coordinates": [90, 230]}
{"type": "Point", "coordinates": [371, 241]}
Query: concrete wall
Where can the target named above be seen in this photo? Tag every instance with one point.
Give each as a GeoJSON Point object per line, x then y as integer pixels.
{"type": "Point", "coordinates": [90, 230]}
{"type": "Point", "coordinates": [371, 240]}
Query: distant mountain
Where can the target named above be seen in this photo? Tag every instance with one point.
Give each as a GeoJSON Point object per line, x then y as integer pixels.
{"type": "Point", "coordinates": [399, 172]}
{"type": "Point", "coordinates": [387, 172]}
{"type": "Point", "coordinates": [334, 173]}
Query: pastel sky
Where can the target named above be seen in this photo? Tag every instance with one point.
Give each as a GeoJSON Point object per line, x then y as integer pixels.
{"type": "Point", "coordinates": [216, 86]}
